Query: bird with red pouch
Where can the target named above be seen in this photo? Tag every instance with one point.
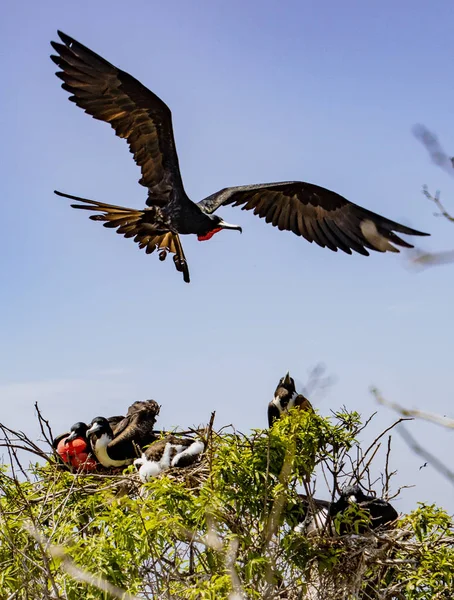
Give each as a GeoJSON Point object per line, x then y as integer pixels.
{"type": "Point", "coordinates": [74, 448]}
{"type": "Point", "coordinates": [140, 117]}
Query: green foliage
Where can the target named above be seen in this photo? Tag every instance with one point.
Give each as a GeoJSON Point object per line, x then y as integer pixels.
{"type": "Point", "coordinates": [431, 573]}
{"type": "Point", "coordinates": [205, 532]}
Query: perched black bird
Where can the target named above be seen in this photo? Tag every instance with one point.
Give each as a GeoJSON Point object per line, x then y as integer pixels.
{"type": "Point", "coordinates": [312, 515]}
{"type": "Point", "coordinates": [138, 115]}
{"type": "Point", "coordinates": [120, 447]}
{"type": "Point", "coordinates": [381, 512]}
{"type": "Point", "coordinates": [285, 397]}
{"type": "Point", "coordinates": [79, 430]}
{"type": "Point", "coordinates": [73, 447]}
{"type": "Point", "coordinates": [171, 451]}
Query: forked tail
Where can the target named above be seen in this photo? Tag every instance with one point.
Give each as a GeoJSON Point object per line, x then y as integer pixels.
{"type": "Point", "coordinates": [131, 223]}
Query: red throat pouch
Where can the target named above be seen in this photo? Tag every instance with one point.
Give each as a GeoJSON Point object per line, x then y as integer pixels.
{"type": "Point", "coordinates": [76, 454]}
{"type": "Point", "coordinates": [66, 450]}
{"type": "Point", "coordinates": [209, 235]}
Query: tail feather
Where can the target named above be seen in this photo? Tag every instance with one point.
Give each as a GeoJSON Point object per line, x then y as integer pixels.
{"type": "Point", "coordinates": [95, 204]}
{"type": "Point", "coordinates": [129, 222]}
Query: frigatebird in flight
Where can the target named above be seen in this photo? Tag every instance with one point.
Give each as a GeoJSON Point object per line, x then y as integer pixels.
{"type": "Point", "coordinates": [144, 120]}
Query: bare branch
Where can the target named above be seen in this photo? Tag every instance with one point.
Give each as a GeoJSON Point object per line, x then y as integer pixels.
{"type": "Point", "coordinates": [418, 414]}
{"type": "Point", "coordinates": [434, 148]}
{"type": "Point", "coordinates": [436, 199]}
{"type": "Point", "coordinates": [437, 464]}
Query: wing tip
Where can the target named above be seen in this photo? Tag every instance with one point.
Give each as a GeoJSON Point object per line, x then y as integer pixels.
{"type": "Point", "coordinates": [56, 46]}
{"type": "Point", "coordinates": [55, 59]}
{"type": "Point", "coordinates": [65, 38]}
{"type": "Point", "coordinates": [407, 230]}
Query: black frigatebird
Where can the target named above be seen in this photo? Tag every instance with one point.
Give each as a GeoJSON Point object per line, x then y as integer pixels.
{"type": "Point", "coordinates": [144, 120]}
{"type": "Point", "coordinates": [317, 516]}
{"type": "Point", "coordinates": [118, 447]}
{"type": "Point", "coordinates": [78, 430]}
{"type": "Point", "coordinates": [380, 511]}
{"type": "Point", "coordinates": [285, 398]}
{"type": "Point", "coordinates": [73, 447]}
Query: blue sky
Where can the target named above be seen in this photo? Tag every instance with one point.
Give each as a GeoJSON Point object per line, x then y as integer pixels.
{"type": "Point", "coordinates": [324, 92]}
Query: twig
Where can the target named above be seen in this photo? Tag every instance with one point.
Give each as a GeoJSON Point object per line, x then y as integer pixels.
{"type": "Point", "coordinates": [436, 200]}
{"type": "Point", "coordinates": [432, 259]}
{"type": "Point", "coordinates": [434, 148]}
{"type": "Point", "coordinates": [44, 426]}
{"type": "Point", "coordinates": [383, 433]}
{"type": "Point", "coordinates": [419, 414]}
{"type": "Point", "coordinates": [388, 475]}
{"type": "Point", "coordinates": [437, 464]}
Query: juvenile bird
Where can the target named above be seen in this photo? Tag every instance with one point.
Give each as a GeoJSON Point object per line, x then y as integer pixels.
{"type": "Point", "coordinates": [285, 398]}
{"type": "Point", "coordinates": [171, 451]}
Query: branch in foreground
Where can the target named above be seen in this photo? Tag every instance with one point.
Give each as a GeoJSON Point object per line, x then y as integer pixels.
{"type": "Point", "coordinates": [436, 199]}
{"type": "Point", "coordinates": [423, 260]}
{"type": "Point", "coordinates": [426, 455]}
{"type": "Point", "coordinates": [434, 148]}
{"type": "Point", "coordinates": [418, 414]}
{"type": "Point", "coordinates": [68, 565]}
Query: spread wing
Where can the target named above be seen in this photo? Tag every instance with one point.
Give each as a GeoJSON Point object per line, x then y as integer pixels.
{"type": "Point", "coordinates": [136, 114]}
{"type": "Point", "coordinates": [317, 214]}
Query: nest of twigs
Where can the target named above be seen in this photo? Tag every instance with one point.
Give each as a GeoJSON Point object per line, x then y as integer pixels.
{"type": "Point", "coordinates": [323, 566]}
{"type": "Point", "coordinates": [119, 480]}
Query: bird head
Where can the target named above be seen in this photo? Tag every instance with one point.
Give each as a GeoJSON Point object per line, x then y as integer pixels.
{"type": "Point", "coordinates": [150, 406]}
{"type": "Point", "coordinates": [285, 390]}
{"type": "Point", "coordinates": [353, 493]}
{"type": "Point", "coordinates": [99, 427]}
{"type": "Point", "coordinates": [283, 395]}
{"type": "Point", "coordinates": [77, 430]}
{"type": "Point", "coordinates": [224, 225]}
{"type": "Point", "coordinates": [215, 225]}
{"type": "Point", "coordinates": [287, 381]}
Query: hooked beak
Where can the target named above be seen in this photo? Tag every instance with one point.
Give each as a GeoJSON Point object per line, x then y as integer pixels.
{"type": "Point", "coordinates": [72, 436]}
{"type": "Point", "coordinates": [93, 429]}
{"type": "Point", "coordinates": [224, 225]}
{"type": "Point", "coordinates": [287, 378]}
